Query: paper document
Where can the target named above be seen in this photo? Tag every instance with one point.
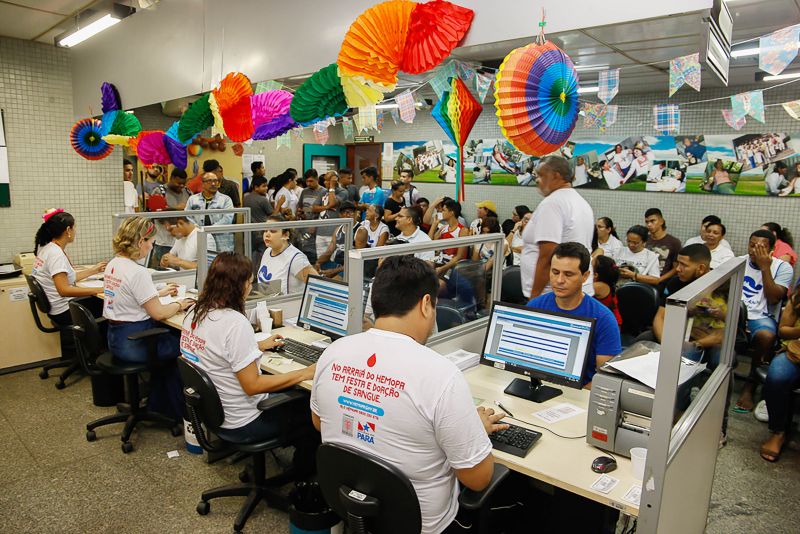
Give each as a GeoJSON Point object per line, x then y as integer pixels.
{"type": "Point", "coordinates": [645, 368]}
{"type": "Point", "coordinates": [463, 359]}
{"type": "Point", "coordinates": [605, 484]}
{"type": "Point", "coordinates": [633, 495]}
{"type": "Point", "coordinates": [558, 412]}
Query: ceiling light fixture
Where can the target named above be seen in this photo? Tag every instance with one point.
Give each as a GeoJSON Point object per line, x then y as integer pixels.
{"type": "Point", "coordinates": [745, 52]}
{"type": "Point", "coordinates": [90, 30]}
{"type": "Point", "coordinates": [584, 90]}
{"type": "Point", "coordinates": [590, 68]}
{"type": "Point", "coordinates": [91, 22]}
{"type": "Point", "coordinates": [778, 77]}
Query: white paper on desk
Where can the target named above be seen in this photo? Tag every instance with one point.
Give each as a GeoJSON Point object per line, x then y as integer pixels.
{"type": "Point", "coordinates": [92, 283]}
{"type": "Point", "coordinates": [559, 412]}
{"type": "Point", "coordinates": [464, 359]}
{"type": "Point", "coordinates": [605, 484]}
{"type": "Point", "coordinates": [633, 495]}
{"type": "Point", "coordinates": [645, 368]}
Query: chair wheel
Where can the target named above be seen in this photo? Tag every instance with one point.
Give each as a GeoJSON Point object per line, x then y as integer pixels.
{"type": "Point", "coordinates": [43, 374]}
{"type": "Point", "coordinates": [91, 435]}
{"type": "Point", "coordinates": [127, 447]}
{"type": "Point", "coordinates": [176, 430]}
{"type": "Point", "coordinates": [244, 476]}
{"type": "Point", "coordinates": [203, 507]}
{"type": "Point", "coordinates": [60, 385]}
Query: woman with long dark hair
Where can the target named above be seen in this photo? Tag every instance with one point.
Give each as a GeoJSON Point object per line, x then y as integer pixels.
{"type": "Point", "coordinates": [606, 238]}
{"type": "Point", "coordinates": [217, 337]}
{"type": "Point", "coordinates": [784, 244]}
{"type": "Point", "coordinates": [606, 277]}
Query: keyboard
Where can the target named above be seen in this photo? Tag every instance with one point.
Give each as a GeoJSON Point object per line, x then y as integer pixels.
{"type": "Point", "coordinates": [300, 352]}
{"type": "Point", "coordinates": [515, 440]}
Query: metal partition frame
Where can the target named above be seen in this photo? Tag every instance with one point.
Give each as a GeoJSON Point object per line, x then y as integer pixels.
{"type": "Point", "coordinates": [674, 481]}
{"type": "Point", "coordinates": [355, 310]}
{"type": "Point", "coordinates": [203, 232]}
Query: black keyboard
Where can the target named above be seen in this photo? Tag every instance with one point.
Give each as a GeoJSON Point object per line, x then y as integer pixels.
{"type": "Point", "coordinates": [515, 440]}
{"type": "Point", "coordinates": [300, 352]}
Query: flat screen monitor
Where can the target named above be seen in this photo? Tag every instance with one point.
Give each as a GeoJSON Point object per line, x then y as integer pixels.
{"type": "Point", "coordinates": [542, 345]}
{"type": "Point", "coordinates": [324, 307]}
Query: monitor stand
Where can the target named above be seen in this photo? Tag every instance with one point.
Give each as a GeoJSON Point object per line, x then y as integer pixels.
{"type": "Point", "coordinates": [532, 390]}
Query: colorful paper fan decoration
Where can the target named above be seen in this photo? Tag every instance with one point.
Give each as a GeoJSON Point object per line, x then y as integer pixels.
{"type": "Point", "coordinates": [270, 111]}
{"type": "Point", "coordinates": [150, 149]}
{"type": "Point", "coordinates": [125, 124]}
{"type": "Point", "coordinates": [434, 30]}
{"type": "Point", "coordinates": [456, 112]}
{"type": "Point", "coordinates": [536, 96]}
{"type": "Point", "coordinates": [373, 46]}
{"type": "Point", "coordinates": [121, 140]}
{"type": "Point", "coordinates": [195, 119]}
{"type": "Point", "coordinates": [232, 102]}
{"type": "Point", "coordinates": [359, 93]}
{"type": "Point", "coordinates": [218, 124]}
{"type": "Point", "coordinates": [107, 120]}
{"type": "Point", "coordinates": [87, 140]}
{"type": "Point", "coordinates": [176, 152]}
{"type": "Point", "coordinates": [110, 97]}
{"type": "Point", "coordinates": [321, 96]}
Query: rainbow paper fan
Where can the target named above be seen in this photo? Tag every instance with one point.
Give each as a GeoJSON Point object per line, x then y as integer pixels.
{"type": "Point", "coordinates": [434, 30]}
{"type": "Point", "coordinates": [230, 105]}
{"type": "Point", "coordinates": [321, 96]}
{"type": "Point", "coordinates": [125, 124]}
{"type": "Point", "coordinates": [218, 124]}
{"type": "Point", "coordinates": [196, 119]}
{"type": "Point", "coordinates": [121, 140]}
{"type": "Point", "coordinates": [360, 93]}
{"type": "Point", "coordinates": [87, 140]}
{"type": "Point", "coordinates": [110, 97]}
{"type": "Point", "coordinates": [150, 149]}
{"type": "Point", "coordinates": [373, 46]}
{"type": "Point", "coordinates": [536, 96]}
{"type": "Point", "coordinates": [107, 120]}
{"type": "Point", "coordinates": [270, 111]}
{"type": "Point", "coordinates": [176, 152]}
{"type": "Point", "coordinates": [456, 112]}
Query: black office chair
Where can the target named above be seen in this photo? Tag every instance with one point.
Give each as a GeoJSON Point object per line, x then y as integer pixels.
{"type": "Point", "coordinates": [38, 299]}
{"type": "Point", "coordinates": [511, 290]}
{"type": "Point", "coordinates": [448, 315]}
{"type": "Point", "coordinates": [99, 360]}
{"type": "Point", "coordinates": [372, 495]}
{"type": "Point", "coordinates": [467, 287]}
{"type": "Point", "coordinates": [638, 304]}
{"type": "Point", "coordinates": [207, 415]}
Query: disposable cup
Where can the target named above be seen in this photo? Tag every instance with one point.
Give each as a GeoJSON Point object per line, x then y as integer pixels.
{"type": "Point", "coordinates": [638, 459]}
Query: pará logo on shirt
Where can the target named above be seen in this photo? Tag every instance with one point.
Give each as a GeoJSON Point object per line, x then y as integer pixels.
{"type": "Point", "coordinates": [750, 288]}
{"type": "Point", "coordinates": [366, 432]}
{"type": "Point", "coordinates": [264, 275]}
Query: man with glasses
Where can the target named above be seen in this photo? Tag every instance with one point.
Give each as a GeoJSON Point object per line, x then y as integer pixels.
{"type": "Point", "coordinates": [210, 198]}
{"type": "Point", "coordinates": [226, 187]}
{"type": "Point", "coordinates": [408, 221]}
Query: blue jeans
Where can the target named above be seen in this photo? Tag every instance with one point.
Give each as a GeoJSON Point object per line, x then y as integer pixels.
{"type": "Point", "coordinates": [782, 377]}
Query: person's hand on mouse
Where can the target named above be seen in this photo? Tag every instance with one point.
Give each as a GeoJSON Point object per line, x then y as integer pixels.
{"type": "Point", "coordinates": [271, 342]}
{"type": "Point", "coordinates": [490, 420]}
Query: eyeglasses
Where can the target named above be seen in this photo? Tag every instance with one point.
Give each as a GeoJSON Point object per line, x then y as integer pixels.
{"type": "Point", "coordinates": [211, 181]}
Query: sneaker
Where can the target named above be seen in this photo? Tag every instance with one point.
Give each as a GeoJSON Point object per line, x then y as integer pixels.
{"type": "Point", "coordinates": [760, 412]}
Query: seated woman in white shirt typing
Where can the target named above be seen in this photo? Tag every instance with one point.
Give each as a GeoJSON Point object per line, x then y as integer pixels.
{"type": "Point", "coordinates": [217, 337]}
{"type": "Point", "coordinates": [283, 261]}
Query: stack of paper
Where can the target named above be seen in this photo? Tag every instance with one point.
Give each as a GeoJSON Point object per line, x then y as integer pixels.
{"type": "Point", "coordinates": [645, 368]}
{"type": "Point", "coordinates": [464, 360]}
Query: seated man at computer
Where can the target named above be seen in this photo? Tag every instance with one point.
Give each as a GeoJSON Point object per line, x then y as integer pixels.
{"type": "Point", "coordinates": [383, 392]}
{"type": "Point", "coordinates": [569, 270]}
{"type": "Point", "coordinates": [183, 254]}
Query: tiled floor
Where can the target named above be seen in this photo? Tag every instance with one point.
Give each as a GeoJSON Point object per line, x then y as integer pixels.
{"type": "Point", "coordinates": [53, 480]}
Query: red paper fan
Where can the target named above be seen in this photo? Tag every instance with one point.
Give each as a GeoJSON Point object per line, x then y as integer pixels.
{"type": "Point", "coordinates": [435, 29]}
{"type": "Point", "coordinates": [238, 120]}
{"type": "Point", "coordinates": [232, 88]}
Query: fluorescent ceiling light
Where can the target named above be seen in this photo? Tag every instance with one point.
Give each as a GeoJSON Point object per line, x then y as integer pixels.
{"type": "Point", "coordinates": [778, 77]}
{"type": "Point", "coordinates": [387, 106]}
{"type": "Point", "coordinates": [589, 68]}
{"type": "Point", "coordinates": [88, 31]}
{"type": "Point", "coordinates": [584, 90]}
{"type": "Point", "coordinates": [745, 52]}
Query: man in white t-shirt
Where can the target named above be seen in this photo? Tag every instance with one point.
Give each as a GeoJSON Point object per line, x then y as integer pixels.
{"type": "Point", "coordinates": [562, 216]}
{"type": "Point", "coordinates": [408, 222]}
{"type": "Point", "coordinates": [386, 394]}
{"type": "Point", "coordinates": [766, 284]}
{"type": "Point", "coordinates": [130, 199]}
{"type": "Point", "coordinates": [183, 254]}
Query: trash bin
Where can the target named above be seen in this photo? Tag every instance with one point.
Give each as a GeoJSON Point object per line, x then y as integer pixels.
{"type": "Point", "coordinates": [309, 513]}
{"type": "Point", "coordinates": [107, 390]}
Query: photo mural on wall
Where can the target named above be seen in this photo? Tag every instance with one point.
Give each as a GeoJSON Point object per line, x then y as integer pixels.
{"type": "Point", "coordinates": [765, 164]}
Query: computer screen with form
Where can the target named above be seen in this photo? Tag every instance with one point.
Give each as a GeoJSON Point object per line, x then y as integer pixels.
{"type": "Point", "coordinates": [540, 344]}
{"type": "Point", "coordinates": [324, 307]}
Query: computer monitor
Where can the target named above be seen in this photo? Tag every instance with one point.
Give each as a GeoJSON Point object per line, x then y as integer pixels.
{"type": "Point", "coordinates": [542, 345]}
{"type": "Point", "coordinates": [324, 307]}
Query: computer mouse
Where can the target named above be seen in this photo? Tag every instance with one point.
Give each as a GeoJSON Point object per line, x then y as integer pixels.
{"type": "Point", "coordinates": [604, 464]}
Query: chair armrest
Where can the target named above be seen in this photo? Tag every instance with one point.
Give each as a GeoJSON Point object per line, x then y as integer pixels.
{"type": "Point", "coordinates": [474, 500]}
{"type": "Point", "coordinates": [283, 397]}
{"type": "Point", "coordinates": [37, 320]}
{"type": "Point", "coordinates": [150, 332]}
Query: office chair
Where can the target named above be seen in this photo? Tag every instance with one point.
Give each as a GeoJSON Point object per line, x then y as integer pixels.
{"type": "Point", "coordinates": [467, 287]}
{"type": "Point", "coordinates": [38, 299]}
{"type": "Point", "coordinates": [99, 360]}
{"type": "Point", "coordinates": [448, 316]}
{"type": "Point", "coordinates": [371, 495]}
{"type": "Point", "coordinates": [207, 415]}
{"type": "Point", "coordinates": [511, 290]}
{"type": "Point", "coordinates": [638, 304]}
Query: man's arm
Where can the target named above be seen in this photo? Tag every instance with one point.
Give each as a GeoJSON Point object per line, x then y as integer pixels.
{"type": "Point", "coordinates": [658, 323]}
{"type": "Point", "coordinates": [315, 421]}
{"type": "Point", "coordinates": [541, 274]}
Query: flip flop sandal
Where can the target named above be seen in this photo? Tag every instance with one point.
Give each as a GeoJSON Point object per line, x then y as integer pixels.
{"type": "Point", "coordinates": [774, 455]}
{"type": "Point", "coordinates": [741, 409]}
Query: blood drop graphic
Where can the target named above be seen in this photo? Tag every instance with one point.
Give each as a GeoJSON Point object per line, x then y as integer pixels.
{"type": "Point", "coordinates": [371, 360]}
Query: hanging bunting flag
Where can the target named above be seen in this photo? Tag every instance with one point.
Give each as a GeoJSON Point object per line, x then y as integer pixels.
{"type": "Point", "coordinates": [667, 118]}
{"type": "Point", "coordinates": [482, 85]}
{"type": "Point", "coordinates": [285, 140]}
{"type": "Point", "coordinates": [608, 85]}
{"type": "Point", "coordinates": [270, 85]}
{"type": "Point", "coordinates": [366, 119]}
{"type": "Point", "coordinates": [321, 132]}
{"type": "Point", "coordinates": [379, 121]}
{"type": "Point", "coordinates": [405, 103]}
{"type": "Point", "coordinates": [599, 116]}
{"type": "Point", "coordinates": [792, 108]}
{"type": "Point", "coordinates": [440, 82]}
{"type": "Point", "coordinates": [684, 70]}
{"type": "Point", "coordinates": [737, 125]}
{"type": "Point", "coordinates": [751, 103]}
{"type": "Point", "coordinates": [465, 72]}
{"type": "Point", "coordinates": [347, 127]}
{"type": "Point", "coordinates": [611, 115]}
{"type": "Point", "coordinates": [778, 49]}
{"type": "Point", "coordinates": [332, 121]}
{"type": "Point", "coordinates": [297, 133]}
{"type": "Point", "coordinates": [395, 112]}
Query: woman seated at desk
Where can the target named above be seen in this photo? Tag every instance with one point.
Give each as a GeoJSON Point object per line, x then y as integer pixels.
{"type": "Point", "coordinates": [217, 337]}
{"type": "Point", "coordinates": [283, 261]}
{"type": "Point", "coordinates": [132, 305]}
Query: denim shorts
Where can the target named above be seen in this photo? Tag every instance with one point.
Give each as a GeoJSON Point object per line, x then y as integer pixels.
{"type": "Point", "coordinates": [764, 323]}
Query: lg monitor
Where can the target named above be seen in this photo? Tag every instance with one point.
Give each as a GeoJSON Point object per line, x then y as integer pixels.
{"type": "Point", "coordinates": [324, 307]}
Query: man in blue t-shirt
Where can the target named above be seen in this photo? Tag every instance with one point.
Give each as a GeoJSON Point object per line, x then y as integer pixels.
{"type": "Point", "coordinates": [373, 194]}
{"type": "Point", "coordinates": [569, 269]}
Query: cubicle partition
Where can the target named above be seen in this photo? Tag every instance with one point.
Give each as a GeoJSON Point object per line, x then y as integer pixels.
{"type": "Point", "coordinates": [681, 456]}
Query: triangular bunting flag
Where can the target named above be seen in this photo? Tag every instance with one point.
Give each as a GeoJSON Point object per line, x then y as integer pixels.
{"type": "Point", "coordinates": [482, 85]}
{"type": "Point", "coordinates": [379, 121]}
{"type": "Point", "coordinates": [440, 82]}
{"type": "Point", "coordinates": [751, 103]}
{"type": "Point", "coordinates": [405, 103]}
{"type": "Point", "coordinates": [667, 118]}
{"type": "Point", "coordinates": [285, 140]}
{"type": "Point", "coordinates": [395, 112]}
{"type": "Point", "coordinates": [465, 72]}
{"type": "Point", "coordinates": [347, 128]}
{"type": "Point", "coordinates": [608, 85]}
{"type": "Point", "coordinates": [684, 70]}
{"type": "Point", "coordinates": [792, 108]}
{"type": "Point", "coordinates": [270, 85]}
{"type": "Point", "coordinates": [366, 119]}
{"type": "Point", "coordinates": [778, 49]}
{"type": "Point", "coordinates": [730, 121]}
{"type": "Point", "coordinates": [321, 132]}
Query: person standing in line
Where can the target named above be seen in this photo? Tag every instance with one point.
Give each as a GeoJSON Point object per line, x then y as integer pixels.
{"type": "Point", "coordinates": [211, 199]}
{"type": "Point", "coordinates": [260, 210]}
{"type": "Point", "coordinates": [373, 194]}
{"type": "Point", "coordinates": [174, 191]}
{"type": "Point", "coordinates": [130, 198]}
{"type": "Point", "coordinates": [346, 181]}
{"type": "Point", "coordinates": [393, 205]}
{"type": "Point", "coordinates": [226, 187]}
{"type": "Point", "coordinates": [411, 194]}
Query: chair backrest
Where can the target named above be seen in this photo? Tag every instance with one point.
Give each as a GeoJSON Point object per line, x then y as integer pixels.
{"type": "Point", "coordinates": [638, 304]}
{"type": "Point", "coordinates": [39, 296]}
{"type": "Point", "coordinates": [201, 396]}
{"type": "Point", "coordinates": [467, 278]}
{"type": "Point", "coordinates": [511, 291]}
{"type": "Point", "coordinates": [448, 316]}
{"type": "Point", "coordinates": [367, 491]}
{"type": "Point", "coordinates": [88, 338]}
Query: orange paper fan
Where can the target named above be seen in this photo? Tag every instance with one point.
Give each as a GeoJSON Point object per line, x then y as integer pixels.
{"type": "Point", "coordinates": [434, 30]}
{"type": "Point", "coordinates": [373, 46]}
{"type": "Point", "coordinates": [233, 87]}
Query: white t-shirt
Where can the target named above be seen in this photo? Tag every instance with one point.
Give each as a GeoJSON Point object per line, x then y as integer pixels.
{"type": "Point", "coordinates": [581, 176]}
{"type": "Point", "coordinates": [753, 288]}
{"type": "Point", "coordinates": [50, 261]}
{"type": "Point", "coordinates": [644, 262]}
{"type": "Point", "coordinates": [373, 236]}
{"type": "Point", "coordinates": [417, 237]}
{"type": "Point", "coordinates": [774, 182]}
{"type": "Point", "coordinates": [697, 239]}
{"type": "Point", "coordinates": [291, 198]}
{"type": "Point", "coordinates": [720, 255]}
{"type": "Point", "coordinates": [417, 414]}
{"type": "Point", "coordinates": [222, 345]}
{"type": "Point", "coordinates": [611, 247]}
{"type": "Point", "coordinates": [561, 217]}
{"type": "Point", "coordinates": [127, 286]}
{"type": "Point", "coordinates": [130, 199]}
{"type": "Point", "coordinates": [186, 247]}
{"type": "Point", "coordinates": [517, 241]}
{"type": "Point", "coordinates": [284, 267]}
